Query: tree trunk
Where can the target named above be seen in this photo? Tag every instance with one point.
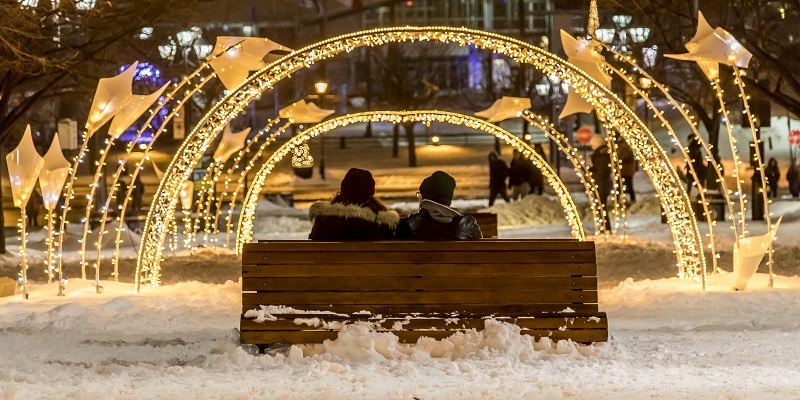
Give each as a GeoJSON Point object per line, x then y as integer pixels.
{"type": "Point", "coordinates": [412, 151]}
{"type": "Point", "coordinates": [396, 141]}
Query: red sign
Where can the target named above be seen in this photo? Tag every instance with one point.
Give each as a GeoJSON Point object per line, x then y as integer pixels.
{"type": "Point", "coordinates": [794, 138]}
{"type": "Point", "coordinates": [584, 135]}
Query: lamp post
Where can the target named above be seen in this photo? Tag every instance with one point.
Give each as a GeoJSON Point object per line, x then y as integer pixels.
{"type": "Point", "coordinates": [552, 89]}
{"type": "Point", "coordinates": [322, 89]}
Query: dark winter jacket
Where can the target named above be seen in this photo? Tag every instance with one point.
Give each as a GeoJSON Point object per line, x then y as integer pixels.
{"type": "Point", "coordinates": [498, 172]}
{"type": "Point", "coordinates": [434, 221]}
{"type": "Point", "coordinates": [627, 160]}
{"type": "Point", "coordinates": [344, 222]}
{"type": "Point", "coordinates": [521, 171]}
{"type": "Point", "coordinates": [773, 174]}
{"type": "Point", "coordinates": [793, 176]}
{"type": "Point", "coordinates": [601, 170]}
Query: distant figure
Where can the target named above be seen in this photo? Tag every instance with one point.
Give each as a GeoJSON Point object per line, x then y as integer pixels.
{"type": "Point", "coordinates": [793, 176]}
{"type": "Point", "coordinates": [498, 172]}
{"type": "Point", "coordinates": [773, 175]}
{"type": "Point", "coordinates": [137, 194]}
{"type": "Point", "coordinates": [628, 167]}
{"type": "Point", "coordinates": [695, 153]}
{"type": "Point", "coordinates": [537, 179]}
{"type": "Point", "coordinates": [519, 176]}
{"type": "Point", "coordinates": [436, 220]}
{"type": "Point", "coordinates": [601, 171]}
{"type": "Point", "coordinates": [33, 208]}
{"type": "Point", "coordinates": [354, 213]}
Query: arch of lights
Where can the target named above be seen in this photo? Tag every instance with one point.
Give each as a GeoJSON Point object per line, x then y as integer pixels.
{"type": "Point", "coordinates": [610, 109]}
{"type": "Point", "coordinates": [247, 215]}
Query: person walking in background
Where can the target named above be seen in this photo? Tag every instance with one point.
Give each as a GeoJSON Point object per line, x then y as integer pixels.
{"type": "Point", "coordinates": [695, 153]}
{"type": "Point", "coordinates": [137, 194]}
{"type": "Point", "coordinates": [354, 213]}
{"type": "Point", "coordinates": [793, 177]}
{"type": "Point", "coordinates": [601, 171]}
{"type": "Point", "coordinates": [519, 176]}
{"type": "Point", "coordinates": [773, 175]}
{"type": "Point", "coordinates": [498, 172]}
{"type": "Point", "coordinates": [436, 220]}
{"type": "Point", "coordinates": [537, 179]}
{"type": "Point", "coordinates": [629, 166]}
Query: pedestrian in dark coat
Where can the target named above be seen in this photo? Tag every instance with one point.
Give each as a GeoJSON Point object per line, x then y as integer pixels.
{"type": "Point", "coordinates": [436, 220]}
{"type": "Point", "coordinates": [793, 176]}
{"type": "Point", "coordinates": [773, 174]}
{"type": "Point", "coordinates": [537, 179]}
{"type": "Point", "coordinates": [519, 176]}
{"type": "Point", "coordinates": [354, 214]}
{"type": "Point", "coordinates": [628, 167]}
{"type": "Point", "coordinates": [601, 171]}
{"type": "Point", "coordinates": [498, 172]}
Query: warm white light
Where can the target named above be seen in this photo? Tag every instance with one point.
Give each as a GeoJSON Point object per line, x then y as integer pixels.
{"type": "Point", "coordinates": [639, 35]}
{"type": "Point", "coordinates": [321, 87]}
{"type": "Point", "coordinates": [435, 140]}
{"type": "Point", "coordinates": [85, 5]}
{"type": "Point", "coordinates": [622, 20]}
{"type": "Point", "coordinates": [605, 35]}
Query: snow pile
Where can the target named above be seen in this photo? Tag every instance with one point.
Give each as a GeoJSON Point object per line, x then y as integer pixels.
{"type": "Point", "coordinates": [530, 211]}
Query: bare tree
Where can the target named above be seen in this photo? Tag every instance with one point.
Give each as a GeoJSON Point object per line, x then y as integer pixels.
{"type": "Point", "coordinates": [51, 49]}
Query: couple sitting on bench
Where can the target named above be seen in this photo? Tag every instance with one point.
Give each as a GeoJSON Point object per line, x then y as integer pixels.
{"type": "Point", "coordinates": [356, 215]}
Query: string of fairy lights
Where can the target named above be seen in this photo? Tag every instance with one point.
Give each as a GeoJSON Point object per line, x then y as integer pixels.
{"type": "Point", "coordinates": [297, 143]}
{"type": "Point", "coordinates": [677, 207]}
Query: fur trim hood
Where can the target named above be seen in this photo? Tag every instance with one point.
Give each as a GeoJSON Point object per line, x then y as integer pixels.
{"type": "Point", "coordinates": [326, 208]}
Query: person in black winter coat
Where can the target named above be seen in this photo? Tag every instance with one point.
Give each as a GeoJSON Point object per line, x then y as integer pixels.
{"type": "Point", "coordinates": [436, 220]}
{"type": "Point", "coordinates": [536, 177]}
{"type": "Point", "coordinates": [773, 174]}
{"type": "Point", "coordinates": [601, 171]}
{"type": "Point", "coordinates": [628, 167]}
{"type": "Point", "coordinates": [519, 176]}
{"type": "Point", "coordinates": [793, 177]}
{"type": "Point", "coordinates": [498, 172]}
{"type": "Point", "coordinates": [354, 214]}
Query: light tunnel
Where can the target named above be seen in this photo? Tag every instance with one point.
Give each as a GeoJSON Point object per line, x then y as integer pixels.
{"type": "Point", "coordinates": [247, 214]}
{"type": "Point", "coordinates": [610, 109]}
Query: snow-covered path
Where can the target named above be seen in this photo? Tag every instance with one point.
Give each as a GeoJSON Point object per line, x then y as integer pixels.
{"type": "Point", "coordinates": [668, 340]}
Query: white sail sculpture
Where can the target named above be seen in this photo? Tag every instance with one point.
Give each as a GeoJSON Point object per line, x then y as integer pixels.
{"type": "Point", "coordinates": [230, 143]}
{"type": "Point", "coordinates": [110, 98]}
{"type": "Point", "coordinates": [303, 112]}
{"type": "Point", "coordinates": [24, 165]}
{"type": "Point", "coordinates": [243, 55]}
{"type": "Point", "coordinates": [134, 106]}
{"type": "Point", "coordinates": [505, 108]}
{"type": "Point", "coordinates": [51, 182]}
{"type": "Point", "coordinates": [584, 54]}
{"type": "Point", "coordinates": [747, 255]}
{"type": "Point", "coordinates": [713, 46]}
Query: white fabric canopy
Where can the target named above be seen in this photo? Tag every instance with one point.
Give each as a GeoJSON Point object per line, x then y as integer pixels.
{"type": "Point", "coordinates": [111, 96]}
{"type": "Point", "coordinates": [249, 54]}
{"type": "Point", "coordinates": [54, 173]}
{"type": "Point", "coordinates": [230, 143]}
{"type": "Point", "coordinates": [303, 112]}
{"type": "Point", "coordinates": [135, 105]}
{"type": "Point", "coordinates": [747, 255]}
{"type": "Point", "coordinates": [24, 165]}
{"type": "Point", "coordinates": [583, 54]}
{"type": "Point", "coordinates": [505, 108]}
{"type": "Point", "coordinates": [709, 47]}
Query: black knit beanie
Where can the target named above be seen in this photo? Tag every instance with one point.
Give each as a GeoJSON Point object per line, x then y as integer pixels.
{"type": "Point", "coordinates": [438, 187]}
{"type": "Point", "coordinates": [358, 186]}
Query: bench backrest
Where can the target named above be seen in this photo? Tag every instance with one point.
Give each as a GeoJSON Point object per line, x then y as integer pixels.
{"type": "Point", "coordinates": [486, 277]}
{"type": "Point", "coordinates": [488, 224]}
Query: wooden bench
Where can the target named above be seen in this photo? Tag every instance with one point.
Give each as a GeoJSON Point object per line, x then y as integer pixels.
{"type": "Point", "coordinates": [488, 224]}
{"type": "Point", "coordinates": [547, 287]}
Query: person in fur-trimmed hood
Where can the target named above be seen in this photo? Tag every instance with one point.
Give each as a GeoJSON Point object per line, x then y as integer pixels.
{"type": "Point", "coordinates": [436, 220]}
{"type": "Point", "coordinates": [354, 214]}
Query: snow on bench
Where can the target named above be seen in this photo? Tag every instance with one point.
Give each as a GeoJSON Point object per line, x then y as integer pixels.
{"type": "Point", "coordinates": [306, 291]}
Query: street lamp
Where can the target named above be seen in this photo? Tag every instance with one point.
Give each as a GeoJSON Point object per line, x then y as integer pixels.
{"type": "Point", "coordinates": [322, 89]}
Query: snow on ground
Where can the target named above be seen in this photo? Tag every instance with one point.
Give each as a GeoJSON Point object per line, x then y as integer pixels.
{"type": "Point", "coordinates": [669, 339]}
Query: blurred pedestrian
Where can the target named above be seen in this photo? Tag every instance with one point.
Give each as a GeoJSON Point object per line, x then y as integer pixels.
{"type": "Point", "coordinates": [773, 174]}
{"type": "Point", "coordinates": [498, 172]}
{"type": "Point", "coordinates": [695, 153]}
{"type": "Point", "coordinates": [629, 166]}
{"type": "Point", "coordinates": [519, 176]}
{"type": "Point", "coordinates": [793, 176]}
{"type": "Point", "coordinates": [601, 171]}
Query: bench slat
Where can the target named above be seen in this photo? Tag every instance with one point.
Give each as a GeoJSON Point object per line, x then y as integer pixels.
{"type": "Point", "coordinates": [448, 284]}
{"type": "Point", "coordinates": [296, 337]}
{"type": "Point", "coordinates": [418, 246]}
{"type": "Point", "coordinates": [489, 297]}
{"type": "Point", "coordinates": [285, 323]}
{"type": "Point", "coordinates": [422, 257]}
{"type": "Point", "coordinates": [448, 270]}
{"type": "Point", "coordinates": [465, 309]}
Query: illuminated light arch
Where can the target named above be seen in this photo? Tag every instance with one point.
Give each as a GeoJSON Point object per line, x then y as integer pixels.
{"type": "Point", "coordinates": [244, 232]}
{"type": "Point", "coordinates": [655, 161]}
